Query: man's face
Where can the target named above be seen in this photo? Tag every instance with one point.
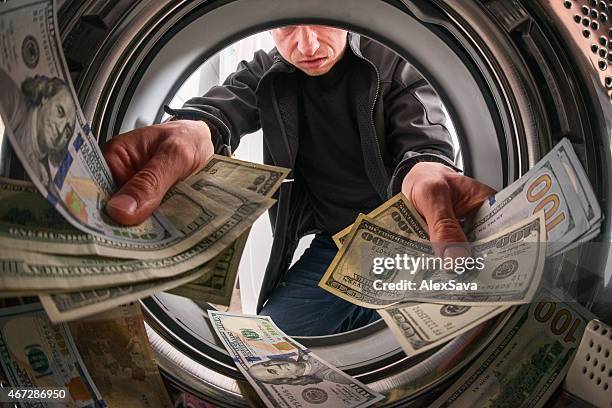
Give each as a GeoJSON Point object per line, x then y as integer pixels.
{"type": "Point", "coordinates": [271, 370]}
{"type": "Point", "coordinates": [55, 121]}
{"type": "Point", "coordinates": [311, 48]}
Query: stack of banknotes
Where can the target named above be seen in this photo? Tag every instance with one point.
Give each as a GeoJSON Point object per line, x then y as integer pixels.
{"type": "Point", "coordinates": [56, 240]}
{"type": "Point", "coordinates": [100, 361]}
{"type": "Point", "coordinates": [548, 211]}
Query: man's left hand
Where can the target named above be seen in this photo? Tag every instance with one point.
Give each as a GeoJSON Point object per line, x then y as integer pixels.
{"type": "Point", "coordinates": [443, 196]}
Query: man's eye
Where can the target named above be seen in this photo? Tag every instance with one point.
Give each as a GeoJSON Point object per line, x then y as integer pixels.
{"type": "Point", "coordinates": [272, 371]}
{"type": "Point", "coordinates": [60, 111]}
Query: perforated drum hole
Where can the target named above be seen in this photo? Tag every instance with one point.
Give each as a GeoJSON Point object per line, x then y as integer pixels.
{"type": "Point", "coordinates": [607, 353]}
{"type": "Point", "coordinates": [594, 13]}
{"type": "Point", "coordinates": [585, 10]}
{"type": "Point", "coordinates": [603, 17]}
{"type": "Point", "coordinates": [586, 22]}
{"type": "Point", "coordinates": [591, 343]}
{"type": "Point", "coordinates": [602, 5]}
{"type": "Point", "coordinates": [610, 373]}
{"type": "Point", "coordinates": [603, 40]}
{"type": "Point", "coordinates": [596, 327]}
{"type": "Point", "coordinates": [605, 386]}
{"type": "Point", "coordinates": [595, 362]}
{"type": "Point", "coordinates": [591, 375]}
{"type": "Point", "coordinates": [599, 348]}
{"type": "Point", "coordinates": [598, 380]}
{"type": "Point", "coordinates": [602, 65]}
{"type": "Point", "coordinates": [588, 357]}
{"type": "Point", "coordinates": [586, 33]}
{"type": "Point", "coordinates": [567, 4]}
{"type": "Point", "coordinates": [603, 368]}
{"type": "Point", "coordinates": [593, 3]}
{"type": "Point", "coordinates": [584, 370]}
{"type": "Point", "coordinates": [595, 25]}
{"type": "Point", "coordinates": [604, 332]}
{"type": "Point", "coordinates": [603, 53]}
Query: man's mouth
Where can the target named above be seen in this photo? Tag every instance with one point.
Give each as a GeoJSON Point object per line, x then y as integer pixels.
{"type": "Point", "coordinates": [313, 62]}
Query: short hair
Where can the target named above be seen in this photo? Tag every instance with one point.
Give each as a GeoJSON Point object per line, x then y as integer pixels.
{"type": "Point", "coordinates": [34, 89]}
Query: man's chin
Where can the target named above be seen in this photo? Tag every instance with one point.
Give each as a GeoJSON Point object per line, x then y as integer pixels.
{"type": "Point", "coordinates": [315, 71]}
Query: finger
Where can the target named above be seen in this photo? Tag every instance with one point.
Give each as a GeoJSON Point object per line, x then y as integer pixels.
{"type": "Point", "coordinates": [120, 162]}
{"type": "Point", "coordinates": [129, 152]}
{"type": "Point", "coordinates": [142, 194]}
{"type": "Point", "coordinates": [445, 232]}
{"type": "Point", "coordinates": [473, 194]}
{"type": "Point", "coordinates": [446, 235]}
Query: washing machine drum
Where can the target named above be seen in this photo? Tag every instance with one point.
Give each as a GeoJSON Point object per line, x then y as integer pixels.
{"type": "Point", "coordinates": [516, 76]}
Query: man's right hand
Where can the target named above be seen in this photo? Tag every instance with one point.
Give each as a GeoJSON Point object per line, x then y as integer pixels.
{"type": "Point", "coordinates": [147, 162]}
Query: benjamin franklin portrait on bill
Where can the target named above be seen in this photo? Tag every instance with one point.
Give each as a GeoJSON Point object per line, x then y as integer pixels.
{"type": "Point", "coordinates": [301, 371]}
{"type": "Point", "coordinates": [42, 115]}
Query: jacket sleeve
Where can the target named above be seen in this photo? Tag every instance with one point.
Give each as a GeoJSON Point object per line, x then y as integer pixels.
{"type": "Point", "coordinates": [230, 110]}
{"type": "Point", "coordinates": [415, 125]}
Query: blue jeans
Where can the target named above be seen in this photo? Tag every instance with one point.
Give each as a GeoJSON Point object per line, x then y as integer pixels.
{"type": "Point", "coordinates": [301, 308]}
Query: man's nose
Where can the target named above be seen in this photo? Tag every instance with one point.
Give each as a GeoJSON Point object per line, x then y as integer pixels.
{"type": "Point", "coordinates": [308, 43]}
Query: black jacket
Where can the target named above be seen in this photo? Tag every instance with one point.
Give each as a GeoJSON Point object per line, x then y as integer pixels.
{"type": "Point", "coordinates": [400, 123]}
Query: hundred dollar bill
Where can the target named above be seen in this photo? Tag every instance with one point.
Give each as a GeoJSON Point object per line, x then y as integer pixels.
{"type": "Point", "coordinates": [37, 354]}
{"type": "Point", "coordinates": [419, 327]}
{"type": "Point", "coordinates": [217, 287]}
{"type": "Point", "coordinates": [212, 282]}
{"type": "Point", "coordinates": [28, 222]}
{"type": "Point", "coordinates": [525, 363]}
{"type": "Point", "coordinates": [580, 182]}
{"type": "Point", "coordinates": [552, 185]}
{"type": "Point", "coordinates": [217, 284]}
{"type": "Point", "coordinates": [506, 268]}
{"type": "Point", "coordinates": [262, 179]}
{"type": "Point", "coordinates": [397, 214]}
{"type": "Point", "coordinates": [53, 140]}
{"type": "Point", "coordinates": [115, 347]}
{"type": "Point", "coordinates": [35, 272]}
{"type": "Point", "coordinates": [67, 306]}
{"type": "Point", "coordinates": [283, 372]}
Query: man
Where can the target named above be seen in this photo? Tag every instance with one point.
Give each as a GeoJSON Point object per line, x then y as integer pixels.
{"type": "Point", "coordinates": [41, 115]}
{"type": "Point", "coordinates": [356, 124]}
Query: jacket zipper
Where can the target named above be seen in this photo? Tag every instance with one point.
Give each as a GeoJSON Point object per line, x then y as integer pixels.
{"type": "Point", "coordinates": [373, 104]}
